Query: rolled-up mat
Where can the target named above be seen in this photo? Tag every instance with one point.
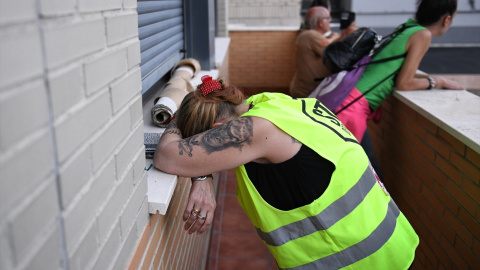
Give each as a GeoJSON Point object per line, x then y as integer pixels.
{"type": "Point", "coordinates": [172, 94]}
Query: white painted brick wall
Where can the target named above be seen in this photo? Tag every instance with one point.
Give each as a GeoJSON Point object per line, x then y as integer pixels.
{"type": "Point", "coordinates": [7, 259]}
{"type": "Point", "coordinates": [30, 104]}
{"type": "Point", "coordinates": [109, 250]}
{"type": "Point", "coordinates": [20, 52]}
{"type": "Point", "coordinates": [142, 218]}
{"type": "Point", "coordinates": [22, 169]}
{"type": "Point", "coordinates": [124, 89]}
{"type": "Point", "coordinates": [66, 88]}
{"type": "Point", "coordinates": [98, 5]}
{"type": "Point", "coordinates": [72, 184]}
{"type": "Point", "coordinates": [139, 172]}
{"type": "Point", "coordinates": [74, 174]}
{"type": "Point", "coordinates": [57, 7]}
{"type": "Point", "coordinates": [121, 28]}
{"type": "Point", "coordinates": [48, 254]}
{"type": "Point", "coordinates": [123, 257]}
{"type": "Point", "coordinates": [69, 41]}
{"type": "Point", "coordinates": [128, 150]}
{"type": "Point", "coordinates": [83, 212]}
{"type": "Point", "coordinates": [86, 252]}
{"type": "Point", "coordinates": [40, 209]}
{"type": "Point", "coordinates": [130, 4]}
{"type": "Point", "coordinates": [129, 240]}
{"type": "Point", "coordinates": [14, 11]}
{"type": "Point", "coordinates": [136, 114]}
{"type": "Point", "coordinates": [108, 141]}
{"type": "Point", "coordinates": [104, 69]}
{"type": "Point", "coordinates": [77, 126]}
{"type": "Point", "coordinates": [133, 54]}
{"type": "Point", "coordinates": [114, 207]}
{"type": "Point", "coordinates": [127, 219]}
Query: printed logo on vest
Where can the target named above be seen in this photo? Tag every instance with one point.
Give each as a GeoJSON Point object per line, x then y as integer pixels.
{"type": "Point", "coordinates": [378, 180]}
{"type": "Point", "coordinates": [329, 120]}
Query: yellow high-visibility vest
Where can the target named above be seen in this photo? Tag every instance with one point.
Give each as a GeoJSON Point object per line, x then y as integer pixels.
{"type": "Point", "coordinates": [354, 224]}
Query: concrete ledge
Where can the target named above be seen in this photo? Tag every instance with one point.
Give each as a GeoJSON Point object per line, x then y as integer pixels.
{"type": "Point", "coordinates": [160, 188]}
{"type": "Point", "coordinates": [455, 111]}
{"type": "Point", "coordinates": [221, 49]}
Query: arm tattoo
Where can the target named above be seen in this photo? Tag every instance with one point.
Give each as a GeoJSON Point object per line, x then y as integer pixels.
{"type": "Point", "coordinates": [186, 146]}
{"type": "Point", "coordinates": [172, 128]}
{"type": "Point", "coordinates": [172, 131]}
{"type": "Point", "coordinates": [235, 134]}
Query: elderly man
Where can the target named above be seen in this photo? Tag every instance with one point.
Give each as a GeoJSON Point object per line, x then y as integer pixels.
{"type": "Point", "coordinates": [308, 55]}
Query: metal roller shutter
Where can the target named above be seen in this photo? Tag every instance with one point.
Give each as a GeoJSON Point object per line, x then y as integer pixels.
{"type": "Point", "coordinates": [161, 34]}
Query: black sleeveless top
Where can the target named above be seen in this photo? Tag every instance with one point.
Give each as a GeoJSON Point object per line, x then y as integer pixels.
{"type": "Point", "coordinates": [293, 183]}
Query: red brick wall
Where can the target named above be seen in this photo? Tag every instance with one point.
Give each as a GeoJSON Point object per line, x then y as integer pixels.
{"type": "Point", "coordinates": [262, 59]}
{"type": "Point", "coordinates": [165, 244]}
{"type": "Point", "coordinates": [435, 180]}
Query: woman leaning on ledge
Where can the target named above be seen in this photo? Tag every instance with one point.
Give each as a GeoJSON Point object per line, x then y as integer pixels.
{"type": "Point", "coordinates": [315, 201]}
{"type": "Point", "coordinates": [432, 19]}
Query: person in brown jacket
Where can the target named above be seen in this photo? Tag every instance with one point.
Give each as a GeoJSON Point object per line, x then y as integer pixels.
{"type": "Point", "coordinates": [308, 52]}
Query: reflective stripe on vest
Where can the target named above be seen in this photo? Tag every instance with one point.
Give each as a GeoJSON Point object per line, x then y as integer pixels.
{"type": "Point", "coordinates": [325, 219]}
{"type": "Point", "coordinates": [331, 215]}
{"type": "Point", "coordinates": [361, 250]}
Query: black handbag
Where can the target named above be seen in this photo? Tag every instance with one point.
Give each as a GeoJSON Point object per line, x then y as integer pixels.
{"type": "Point", "coordinates": [344, 54]}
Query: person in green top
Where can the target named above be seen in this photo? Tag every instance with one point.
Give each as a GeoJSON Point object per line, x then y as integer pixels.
{"type": "Point", "coordinates": [433, 18]}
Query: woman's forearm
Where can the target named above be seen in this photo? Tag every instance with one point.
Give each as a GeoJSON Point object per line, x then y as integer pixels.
{"type": "Point", "coordinates": [226, 146]}
{"type": "Point", "coordinates": [170, 137]}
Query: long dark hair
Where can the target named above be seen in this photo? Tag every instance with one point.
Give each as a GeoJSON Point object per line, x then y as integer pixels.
{"type": "Point", "coordinates": [430, 11]}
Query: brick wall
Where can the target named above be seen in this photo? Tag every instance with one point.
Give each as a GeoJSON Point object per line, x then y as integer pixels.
{"type": "Point", "coordinates": [435, 180]}
{"type": "Point", "coordinates": [165, 244]}
{"type": "Point", "coordinates": [72, 179]}
{"type": "Point", "coordinates": [262, 59]}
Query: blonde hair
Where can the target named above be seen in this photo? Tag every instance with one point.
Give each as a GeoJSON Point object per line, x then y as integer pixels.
{"type": "Point", "coordinates": [198, 113]}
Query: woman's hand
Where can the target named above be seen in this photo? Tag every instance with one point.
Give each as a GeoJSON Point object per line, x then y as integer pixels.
{"type": "Point", "coordinates": [201, 205]}
{"type": "Point", "coordinates": [442, 82]}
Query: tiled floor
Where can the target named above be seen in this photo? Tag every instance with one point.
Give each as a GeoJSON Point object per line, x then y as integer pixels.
{"type": "Point", "coordinates": [234, 243]}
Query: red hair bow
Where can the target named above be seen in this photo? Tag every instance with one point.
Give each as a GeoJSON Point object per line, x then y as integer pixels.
{"type": "Point", "coordinates": [209, 85]}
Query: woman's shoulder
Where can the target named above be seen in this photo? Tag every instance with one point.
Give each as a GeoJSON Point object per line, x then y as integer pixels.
{"type": "Point", "coordinates": [421, 38]}
{"type": "Point", "coordinates": [417, 31]}
{"type": "Point", "coordinates": [277, 146]}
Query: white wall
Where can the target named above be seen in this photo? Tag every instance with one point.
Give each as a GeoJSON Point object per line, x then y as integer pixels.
{"type": "Point", "coordinates": [385, 15]}
{"type": "Point", "coordinates": [72, 180]}
{"type": "Point", "coordinates": [382, 16]}
{"type": "Point", "coordinates": [264, 12]}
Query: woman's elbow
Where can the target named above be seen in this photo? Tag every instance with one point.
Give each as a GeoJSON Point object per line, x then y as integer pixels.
{"type": "Point", "coordinates": [161, 161]}
{"type": "Point", "coordinates": [403, 86]}
{"type": "Point", "coordinates": [157, 161]}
